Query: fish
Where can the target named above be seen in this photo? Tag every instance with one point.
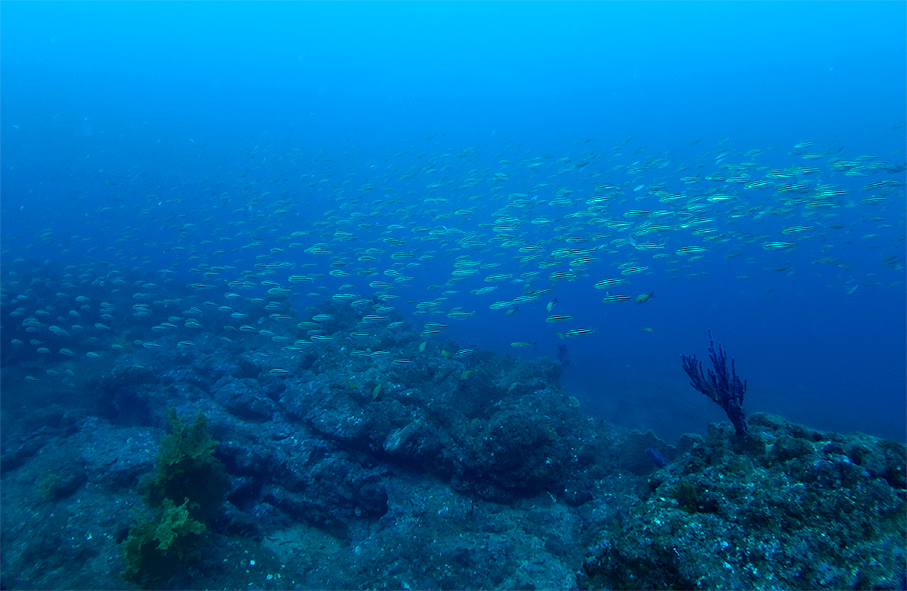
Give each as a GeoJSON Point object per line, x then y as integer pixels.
{"type": "Point", "coordinates": [469, 231]}
{"type": "Point", "coordinates": [690, 249]}
{"type": "Point", "coordinates": [606, 283]}
{"type": "Point", "coordinates": [796, 229]}
{"type": "Point", "coordinates": [458, 314]}
{"type": "Point", "coordinates": [643, 297]}
{"type": "Point", "coordinates": [779, 245]}
{"type": "Point", "coordinates": [558, 318]}
{"type": "Point", "coordinates": [499, 277]}
{"type": "Point", "coordinates": [576, 332]}
{"type": "Point", "coordinates": [484, 290]}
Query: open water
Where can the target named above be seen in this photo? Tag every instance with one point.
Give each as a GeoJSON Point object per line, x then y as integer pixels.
{"type": "Point", "coordinates": [741, 162]}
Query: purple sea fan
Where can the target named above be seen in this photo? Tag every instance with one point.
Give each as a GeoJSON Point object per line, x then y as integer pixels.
{"type": "Point", "coordinates": [721, 385]}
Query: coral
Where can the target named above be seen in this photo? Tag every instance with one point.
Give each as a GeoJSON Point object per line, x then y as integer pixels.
{"type": "Point", "coordinates": [724, 387]}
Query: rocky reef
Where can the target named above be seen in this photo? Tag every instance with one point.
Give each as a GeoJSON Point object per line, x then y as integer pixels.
{"type": "Point", "coordinates": [782, 507]}
{"type": "Point", "coordinates": [387, 459]}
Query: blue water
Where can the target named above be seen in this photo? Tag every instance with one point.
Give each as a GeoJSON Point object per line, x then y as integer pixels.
{"type": "Point", "coordinates": [131, 128]}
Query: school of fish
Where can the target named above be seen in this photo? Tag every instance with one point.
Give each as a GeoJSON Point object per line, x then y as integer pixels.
{"type": "Point", "coordinates": [443, 235]}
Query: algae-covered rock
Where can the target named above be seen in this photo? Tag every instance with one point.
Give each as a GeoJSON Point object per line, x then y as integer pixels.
{"type": "Point", "coordinates": [790, 510]}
